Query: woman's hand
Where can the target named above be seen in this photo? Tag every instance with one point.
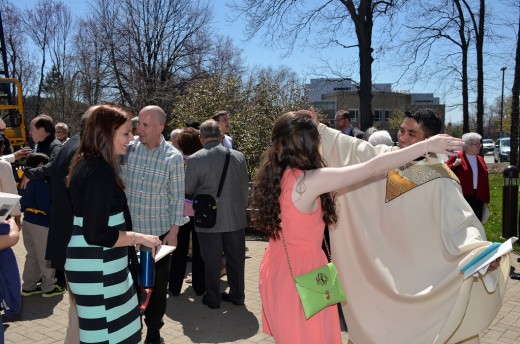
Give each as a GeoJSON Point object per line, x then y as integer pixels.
{"type": "Point", "coordinates": [151, 241]}
{"type": "Point", "coordinates": [457, 162]}
{"type": "Point", "coordinates": [444, 144]}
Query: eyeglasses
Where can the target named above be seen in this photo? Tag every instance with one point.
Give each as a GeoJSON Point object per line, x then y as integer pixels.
{"type": "Point", "coordinates": [476, 144]}
{"type": "Point", "coordinates": [60, 130]}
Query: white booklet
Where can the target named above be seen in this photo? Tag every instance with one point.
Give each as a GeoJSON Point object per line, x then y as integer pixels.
{"type": "Point", "coordinates": [163, 251]}
{"type": "Point", "coordinates": [481, 262]}
{"type": "Point", "coordinates": [7, 203]}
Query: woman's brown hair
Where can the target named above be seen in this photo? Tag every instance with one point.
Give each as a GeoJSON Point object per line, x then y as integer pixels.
{"type": "Point", "coordinates": [97, 139]}
{"type": "Point", "coordinates": [294, 144]}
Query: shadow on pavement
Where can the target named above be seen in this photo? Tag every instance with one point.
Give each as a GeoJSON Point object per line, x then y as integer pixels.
{"type": "Point", "coordinates": [36, 307]}
{"type": "Point", "coordinates": [201, 324]}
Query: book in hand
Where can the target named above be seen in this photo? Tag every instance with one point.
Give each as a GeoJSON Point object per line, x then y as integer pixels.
{"type": "Point", "coordinates": [481, 262]}
{"type": "Point", "coordinates": [163, 251]}
{"type": "Point", "coordinates": [7, 203]}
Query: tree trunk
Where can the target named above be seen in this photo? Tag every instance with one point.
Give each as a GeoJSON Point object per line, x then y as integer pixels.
{"type": "Point", "coordinates": [465, 96]}
{"type": "Point", "coordinates": [40, 84]}
{"type": "Point", "coordinates": [480, 68]}
{"type": "Point", "coordinates": [464, 46]}
{"type": "Point", "coordinates": [365, 87]}
{"type": "Point", "coordinates": [364, 23]}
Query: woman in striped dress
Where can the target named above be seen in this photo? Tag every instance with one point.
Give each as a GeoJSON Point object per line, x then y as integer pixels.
{"type": "Point", "coordinates": [97, 254]}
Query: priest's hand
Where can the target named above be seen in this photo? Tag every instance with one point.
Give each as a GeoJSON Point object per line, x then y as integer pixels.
{"type": "Point", "coordinates": [494, 264]}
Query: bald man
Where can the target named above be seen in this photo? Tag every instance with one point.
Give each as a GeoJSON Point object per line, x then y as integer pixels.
{"type": "Point", "coordinates": [154, 177]}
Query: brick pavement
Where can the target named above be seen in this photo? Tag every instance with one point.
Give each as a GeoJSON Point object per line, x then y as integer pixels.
{"type": "Point", "coordinates": [44, 320]}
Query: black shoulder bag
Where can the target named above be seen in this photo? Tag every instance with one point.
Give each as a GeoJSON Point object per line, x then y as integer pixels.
{"type": "Point", "coordinates": [205, 206]}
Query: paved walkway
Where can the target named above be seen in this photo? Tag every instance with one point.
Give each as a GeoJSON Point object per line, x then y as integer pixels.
{"type": "Point", "coordinates": [44, 320]}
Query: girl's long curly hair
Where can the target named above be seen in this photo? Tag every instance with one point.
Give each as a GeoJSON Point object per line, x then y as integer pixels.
{"type": "Point", "coordinates": [294, 144]}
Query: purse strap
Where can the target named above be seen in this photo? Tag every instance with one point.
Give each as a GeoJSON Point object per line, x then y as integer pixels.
{"type": "Point", "coordinates": [224, 172]}
{"type": "Point", "coordinates": [287, 252]}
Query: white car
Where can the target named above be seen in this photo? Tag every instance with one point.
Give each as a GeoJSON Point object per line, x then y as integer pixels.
{"type": "Point", "coordinates": [502, 149]}
{"type": "Point", "coordinates": [488, 145]}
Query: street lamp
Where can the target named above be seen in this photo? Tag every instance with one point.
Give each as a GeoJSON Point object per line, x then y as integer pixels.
{"type": "Point", "coordinates": [503, 69]}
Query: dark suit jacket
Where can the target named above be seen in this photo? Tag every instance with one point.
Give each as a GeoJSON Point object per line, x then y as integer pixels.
{"type": "Point", "coordinates": [50, 146]}
{"type": "Point", "coordinates": [354, 132]}
{"type": "Point", "coordinates": [465, 175]}
{"type": "Point", "coordinates": [60, 228]}
{"type": "Point", "coordinates": [203, 170]}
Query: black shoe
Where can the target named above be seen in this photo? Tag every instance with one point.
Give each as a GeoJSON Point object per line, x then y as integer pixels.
{"type": "Point", "coordinates": [199, 293]}
{"type": "Point", "coordinates": [56, 291]}
{"type": "Point", "coordinates": [205, 302]}
{"type": "Point", "coordinates": [37, 290]}
{"type": "Point", "coordinates": [157, 341]}
{"type": "Point", "coordinates": [153, 336]}
{"type": "Point", "coordinates": [227, 298]}
{"type": "Point", "coordinates": [515, 276]}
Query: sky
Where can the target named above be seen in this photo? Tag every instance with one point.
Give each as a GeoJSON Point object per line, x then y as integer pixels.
{"type": "Point", "coordinates": [309, 61]}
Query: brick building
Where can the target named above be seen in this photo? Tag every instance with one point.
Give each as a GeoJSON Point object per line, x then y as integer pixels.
{"type": "Point", "coordinates": [330, 95]}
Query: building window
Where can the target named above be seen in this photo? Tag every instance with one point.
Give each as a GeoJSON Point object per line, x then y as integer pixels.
{"type": "Point", "coordinates": [388, 114]}
{"type": "Point", "coordinates": [378, 115]}
{"type": "Point", "coordinates": [327, 107]}
{"type": "Point", "coordinates": [354, 115]}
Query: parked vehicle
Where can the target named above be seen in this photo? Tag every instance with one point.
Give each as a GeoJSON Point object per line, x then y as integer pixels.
{"type": "Point", "coordinates": [502, 149]}
{"type": "Point", "coordinates": [488, 146]}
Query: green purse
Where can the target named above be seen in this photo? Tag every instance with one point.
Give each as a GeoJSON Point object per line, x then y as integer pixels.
{"type": "Point", "coordinates": [318, 288]}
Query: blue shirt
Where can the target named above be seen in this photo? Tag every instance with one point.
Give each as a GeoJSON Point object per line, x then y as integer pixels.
{"type": "Point", "coordinates": [36, 202]}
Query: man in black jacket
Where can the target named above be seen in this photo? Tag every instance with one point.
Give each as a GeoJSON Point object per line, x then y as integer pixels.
{"type": "Point", "coordinates": [42, 132]}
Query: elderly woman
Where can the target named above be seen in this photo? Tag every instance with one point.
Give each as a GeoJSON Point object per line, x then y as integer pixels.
{"type": "Point", "coordinates": [472, 172]}
{"type": "Point", "coordinates": [381, 137]}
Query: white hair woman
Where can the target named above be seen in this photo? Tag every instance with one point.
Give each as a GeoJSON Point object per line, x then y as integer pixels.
{"type": "Point", "coordinates": [381, 137]}
{"type": "Point", "coordinates": [472, 172]}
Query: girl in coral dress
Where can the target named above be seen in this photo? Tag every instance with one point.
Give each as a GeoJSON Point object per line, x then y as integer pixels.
{"type": "Point", "coordinates": [293, 197]}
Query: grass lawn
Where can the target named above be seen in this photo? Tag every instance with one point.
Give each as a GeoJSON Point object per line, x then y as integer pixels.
{"type": "Point", "coordinates": [494, 224]}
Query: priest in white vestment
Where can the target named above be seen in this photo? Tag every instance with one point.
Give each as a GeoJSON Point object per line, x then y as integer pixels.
{"type": "Point", "coordinates": [399, 243]}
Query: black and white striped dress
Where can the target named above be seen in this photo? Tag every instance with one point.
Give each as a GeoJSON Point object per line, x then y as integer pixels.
{"type": "Point", "coordinates": [97, 272]}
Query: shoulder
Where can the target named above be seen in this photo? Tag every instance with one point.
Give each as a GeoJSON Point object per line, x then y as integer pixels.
{"type": "Point", "coordinates": [169, 149]}
{"type": "Point", "coordinates": [54, 145]}
{"type": "Point", "coordinates": [4, 164]}
{"type": "Point", "coordinates": [358, 133]}
{"type": "Point", "coordinates": [171, 154]}
{"type": "Point", "coordinates": [5, 167]}
{"type": "Point", "coordinates": [290, 176]}
{"type": "Point", "coordinates": [133, 145]}
{"type": "Point", "coordinates": [96, 167]}
{"type": "Point", "coordinates": [72, 141]}
{"type": "Point", "coordinates": [237, 154]}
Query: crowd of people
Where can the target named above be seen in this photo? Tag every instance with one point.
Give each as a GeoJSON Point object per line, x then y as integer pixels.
{"type": "Point", "coordinates": [90, 201]}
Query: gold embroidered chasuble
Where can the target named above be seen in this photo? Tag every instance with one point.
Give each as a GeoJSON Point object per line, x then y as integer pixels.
{"type": "Point", "coordinates": [398, 246]}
